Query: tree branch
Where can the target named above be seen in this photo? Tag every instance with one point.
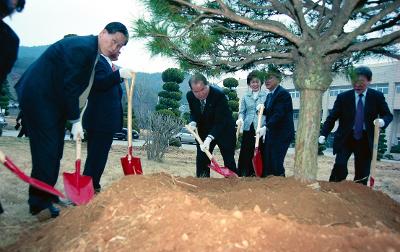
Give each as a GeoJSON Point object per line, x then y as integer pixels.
{"type": "Point", "coordinates": [266, 26]}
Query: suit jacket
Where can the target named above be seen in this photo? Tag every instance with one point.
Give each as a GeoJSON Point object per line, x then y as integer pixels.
{"type": "Point", "coordinates": [104, 108]}
{"type": "Point", "coordinates": [9, 42]}
{"type": "Point", "coordinates": [344, 110]}
{"type": "Point", "coordinates": [279, 117]}
{"type": "Point", "coordinates": [248, 110]}
{"type": "Point", "coordinates": [51, 86]}
{"type": "Point", "coordinates": [216, 120]}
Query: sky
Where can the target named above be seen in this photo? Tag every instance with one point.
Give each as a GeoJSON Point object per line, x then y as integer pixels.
{"type": "Point", "coordinates": [43, 22]}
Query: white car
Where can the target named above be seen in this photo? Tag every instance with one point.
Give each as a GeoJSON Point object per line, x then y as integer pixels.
{"type": "Point", "coordinates": [185, 137]}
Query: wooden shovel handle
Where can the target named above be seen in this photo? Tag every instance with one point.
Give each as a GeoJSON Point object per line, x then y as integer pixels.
{"type": "Point", "coordinates": [375, 150]}
{"type": "Point", "coordinates": [196, 135]}
{"type": "Point", "coordinates": [2, 157]}
{"type": "Point", "coordinates": [129, 95]}
{"type": "Point", "coordinates": [260, 114]}
{"type": "Point", "coordinates": [78, 150]}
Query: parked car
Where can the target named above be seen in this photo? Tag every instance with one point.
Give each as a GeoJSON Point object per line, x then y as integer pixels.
{"type": "Point", "coordinates": [123, 134]}
{"type": "Point", "coordinates": [184, 136]}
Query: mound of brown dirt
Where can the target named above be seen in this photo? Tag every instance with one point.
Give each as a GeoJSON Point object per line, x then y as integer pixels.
{"type": "Point", "coordinates": [165, 213]}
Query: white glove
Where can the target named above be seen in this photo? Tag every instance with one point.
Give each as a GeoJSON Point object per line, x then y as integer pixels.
{"type": "Point", "coordinates": [379, 122]}
{"type": "Point", "coordinates": [261, 132]}
{"type": "Point", "coordinates": [321, 139]}
{"type": "Point", "coordinates": [192, 125]}
{"type": "Point", "coordinates": [259, 106]}
{"type": "Point", "coordinates": [206, 144]}
{"type": "Point", "coordinates": [77, 129]}
{"type": "Point", "coordinates": [126, 73]}
{"type": "Point", "coordinates": [239, 121]}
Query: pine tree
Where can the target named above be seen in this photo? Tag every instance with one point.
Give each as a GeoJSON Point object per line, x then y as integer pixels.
{"type": "Point", "coordinates": [4, 97]}
{"type": "Point", "coordinates": [230, 85]}
{"type": "Point", "coordinates": [170, 96]}
{"type": "Point", "coordinates": [382, 145]}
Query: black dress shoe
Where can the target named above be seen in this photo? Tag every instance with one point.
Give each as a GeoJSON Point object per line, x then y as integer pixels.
{"type": "Point", "coordinates": [44, 213]}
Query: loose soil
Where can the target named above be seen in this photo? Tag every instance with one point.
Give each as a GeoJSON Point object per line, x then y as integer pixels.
{"type": "Point", "coordinates": [172, 211]}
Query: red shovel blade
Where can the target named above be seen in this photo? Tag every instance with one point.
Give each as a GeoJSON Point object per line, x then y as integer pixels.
{"type": "Point", "coordinates": [32, 181]}
{"type": "Point", "coordinates": [257, 162]}
{"type": "Point", "coordinates": [371, 181]}
{"type": "Point", "coordinates": [79, 188]}
{"type": "Point", "coordinates": [131, 165]}
{"type": "Point", "coordinates": [221, 170]}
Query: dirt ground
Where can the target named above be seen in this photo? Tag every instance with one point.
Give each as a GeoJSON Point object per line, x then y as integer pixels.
{"type": "Point", "coordinates": [173, 211]}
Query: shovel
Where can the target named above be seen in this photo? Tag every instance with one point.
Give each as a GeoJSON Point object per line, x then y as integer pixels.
{"type": "Point", "coordinates": [79, 188]}
{"type": "Point", "coordinates": [214, 165]}
{"type": "Point", "coordinates": [257, 160]}
{"type": "Point", "coordinates": [32, 181]}
{"type": "Point", "coordinates": [130, 164]}
{"type": "Point", "coordinates": [374, 156]}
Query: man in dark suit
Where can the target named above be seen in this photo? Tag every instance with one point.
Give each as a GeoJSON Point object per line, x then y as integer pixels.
{"type": "Point", "coordinates": [102, 117]}
{"type": "Point", "coordinates": [210, 113]}
{"type": "Point", "coordinates": [278, 131]}
{"type": "Point", "coordinates": [9, 42]}
{"type": "Point", "coordinates": [357, 110]}
{"type": "Point", "coordinates": [54, 89]}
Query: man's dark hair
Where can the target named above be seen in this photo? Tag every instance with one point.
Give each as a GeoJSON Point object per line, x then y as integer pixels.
{"type": "Point", "coordinates": [255, 74]}
{"type": "Point", "coordinates": [115, 27]}
{"type": "Point", "coordinates": [364, 71]}
{"type": "Point", "coordinates": [6, 9]}
{"type": "Point", "coordinates": [197, 77]}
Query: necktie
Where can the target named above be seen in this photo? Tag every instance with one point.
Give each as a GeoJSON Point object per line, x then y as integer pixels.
{"type": "Point", "coordinates": [202, 105]}
{"type": "Point", "coordinates": [268, 100]}
{"type": "Point", "coordinates": [359, 119]}
{"type": "Point", "coordinates": [113, 67]}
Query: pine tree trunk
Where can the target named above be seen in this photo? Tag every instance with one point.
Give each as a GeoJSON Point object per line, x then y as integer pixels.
{"type": "Point", "coordinates": [312, 77]}
{"type": "Point", "coordinates": [307, 133]}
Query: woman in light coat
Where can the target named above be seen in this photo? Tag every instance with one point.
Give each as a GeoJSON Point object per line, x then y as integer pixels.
{"type": "Point", "coordinates": [248, 119]}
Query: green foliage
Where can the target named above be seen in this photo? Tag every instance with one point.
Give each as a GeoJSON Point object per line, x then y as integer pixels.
{"type": "Point", "coordinates": [382, 144]}
{"type": "Point", "coordinates": [175, 142]}
{"type": "Point", "coordinates": [173, 75]}
{"type": "Point", "coordinates": [233, 105]}
{"type": "Point", "coordinates": [230, 83]}
{"type": "Point", "coordinates": [165, 112]}
{"type": "Point", "coordinates": [4, 97]}
{"type": "Point", "coordinates": [177, 96]}
{"type": "Point", "coordinates": [169, 103]}
{"type": "Point", "coordinates": [232, 95]}
{"type": "Point", "coordinates": [171, 87]}
{"type": "Point", "coordinates": [235, 115]}
{"type": "Point", "coordinates": [395, 149]}
{"type": "Point", "coordinates": [186, 117]}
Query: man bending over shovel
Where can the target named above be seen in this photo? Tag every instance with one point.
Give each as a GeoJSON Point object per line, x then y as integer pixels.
{"type": "Point", "coordinates": [52, 90]}
{"type": "Point", "coordinates": [211, 116]}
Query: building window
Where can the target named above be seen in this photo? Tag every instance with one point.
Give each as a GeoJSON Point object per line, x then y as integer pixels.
{"type": "Point", "coordinates": [294, 93]}
{"type": "Point", "coordinates": [398, 88]}
{"type": "Point", "coordinates": [296, 114]}
{"type": "Point", "coordinates": [382, 87]}
{"type": "Point", "coordinates": [334, 91]}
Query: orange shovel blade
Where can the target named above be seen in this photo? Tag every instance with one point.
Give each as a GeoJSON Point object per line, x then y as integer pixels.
{"type": "Point", "coordinates": [79, 188]}
{"type": "Point", "coordinates": [257, 162]}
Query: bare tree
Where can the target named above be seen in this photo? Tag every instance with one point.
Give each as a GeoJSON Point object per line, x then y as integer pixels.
{"type": "Point", "coordinates": [311, 37]}
{"type": "Point", "coordinates": [159, 129]}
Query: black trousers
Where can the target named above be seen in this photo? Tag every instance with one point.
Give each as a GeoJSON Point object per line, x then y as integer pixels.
{"type": "Point", "coordinates": [98, 146]}
{"type": "Point", "coordinates": [362, 160]}
{"type": "Point", "coordinates": [47, 146]}
{"type": "Point", "coordinates": [202, 161]}
{"type": "Point", "coordinates": [245, 164]}
{"type": "Point", "coordinates": [273, 157]}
